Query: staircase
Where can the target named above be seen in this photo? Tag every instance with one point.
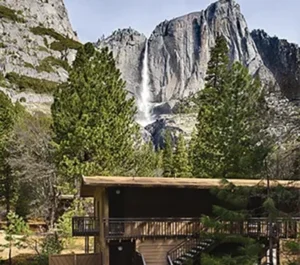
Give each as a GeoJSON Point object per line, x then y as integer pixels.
{"type": "Point", "coordinates": [188, 250]}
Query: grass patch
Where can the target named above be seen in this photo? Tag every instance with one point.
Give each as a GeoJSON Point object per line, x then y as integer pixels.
{"type": "Point", "coordinates": [29, 83]}
{"type": "Point", "coordinates": [43, 49]}
{"type": "Point", "coordinates": [61, 42]}
{"type": "Point", "coordinates": [29, 65]}
{"type": "Point", "coordinates": [10, 14]}
{"type": "Point", "coordinates": [57, 62]}
{"type": "Point", "coordinates": [46, 65]}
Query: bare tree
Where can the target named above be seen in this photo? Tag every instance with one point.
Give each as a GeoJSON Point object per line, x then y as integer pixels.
{"type": "Point", "coordinates": [31, 159]}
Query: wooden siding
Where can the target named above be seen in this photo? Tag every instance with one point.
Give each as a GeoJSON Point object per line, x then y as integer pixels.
{"type": "Point", "coordinates": [159, 202]}
{"type": "Point", "coordinates": [76, 259]}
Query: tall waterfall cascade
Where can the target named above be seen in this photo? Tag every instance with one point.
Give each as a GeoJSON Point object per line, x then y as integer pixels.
{"type": "Point", "coordinates": [144, 99]}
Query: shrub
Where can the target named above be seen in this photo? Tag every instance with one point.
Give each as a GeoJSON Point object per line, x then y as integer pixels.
{"type": "Point", "coordinates": [10, 14]}
{"type": "Point", "coordinates": [65, 44]}
{"type": "Point", "coordinates": [44, 66]}
{"type": "Point", "coordinates": [61, 42]}
{"type": "Point", "coordinates": [47, 63]}
{"type": "Point", "coordinates": [2, 45]}
{"type": "Point", "coordinates": [29, 83]}
{"type": "Point", "coordinates": [29, 65]}
{"type": "Point", "coordinates": [43, 49]}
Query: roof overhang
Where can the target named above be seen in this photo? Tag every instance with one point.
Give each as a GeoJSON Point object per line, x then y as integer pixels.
{"type": "Point", "coordinates": [90, 183]}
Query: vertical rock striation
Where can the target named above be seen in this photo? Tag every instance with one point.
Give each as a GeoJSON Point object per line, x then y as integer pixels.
{"type": "Point", "coordinates": [283, 59]}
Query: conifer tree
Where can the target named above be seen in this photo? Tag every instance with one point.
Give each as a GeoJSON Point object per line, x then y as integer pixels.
{"type": "Point", "coordinates": [93, 120]}
{"type": "Point", "coordinates": [168, 156]}
{"type": "Point", "coordinates": [181, 166]}
{"type": "Point", "coordinates": [8, 183]}
{"type": "Point", "coordinates": [145, 160]}
{"type": "Point", "coordinates": [229, 142]}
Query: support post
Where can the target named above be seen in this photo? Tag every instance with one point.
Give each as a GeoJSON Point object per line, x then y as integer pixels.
{"type": "Point", "coordinates": [87, 245]}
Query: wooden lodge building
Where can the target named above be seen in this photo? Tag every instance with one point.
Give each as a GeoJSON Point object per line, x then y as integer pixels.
{"type": "Point", "coordinates": [156, 221]}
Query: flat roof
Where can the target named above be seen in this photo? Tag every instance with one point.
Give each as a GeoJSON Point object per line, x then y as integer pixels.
{"type": "Point", "coordinates": [90, 183]}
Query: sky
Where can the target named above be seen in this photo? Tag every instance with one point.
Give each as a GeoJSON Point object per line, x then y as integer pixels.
{"type": "Point", "coordinates": [93, 18]}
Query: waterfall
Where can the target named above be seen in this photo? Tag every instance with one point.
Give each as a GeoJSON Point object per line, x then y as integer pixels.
{"type": "Point", "coordinates": [144, 105]}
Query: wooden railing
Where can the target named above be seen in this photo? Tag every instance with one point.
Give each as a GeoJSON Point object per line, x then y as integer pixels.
{"type": "Point", "coordinates": [182, 227]}
{"type": "Point", "coordinates": [188, 227]}
{"type": "Point", "coordinates": [253, 227]}
{"type": "Point", "coordinates": [85, 226]}
{"type": "Point", "coordinates": [151, 227]}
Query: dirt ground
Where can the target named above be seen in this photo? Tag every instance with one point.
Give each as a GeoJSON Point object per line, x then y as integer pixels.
{"type": "Point", "coordinates": [76, 246]}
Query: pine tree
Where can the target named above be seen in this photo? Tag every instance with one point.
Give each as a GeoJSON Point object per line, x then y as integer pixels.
{"type": "Point", "coordinates": [8, 185]}
{"type": "Point", "coordinates": [145, 160]}
{"type": "Point", "coordinates": [229, 141]}
{"type": "Point", "coordinates": [181, 165]}
{"type": "Point", "coordinates": [93, 120]}
{"type": "Point", "coordinates": [168, 156]}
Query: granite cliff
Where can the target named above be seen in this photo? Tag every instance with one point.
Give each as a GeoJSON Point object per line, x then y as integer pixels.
{"type": "Point", "coordinates": [283, 60]}
{"type": "Point", "coordinates": [179, 51]}
{"type": "Point", "coordinates": [37, 45]}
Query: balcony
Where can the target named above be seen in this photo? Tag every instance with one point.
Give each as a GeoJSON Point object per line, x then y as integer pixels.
{"type": "Point", "coordinates": [135, 228]}
{"type": "Point", "coordinates": [151, 227]}
{"type": "Point", "coordinates": [85, 226]}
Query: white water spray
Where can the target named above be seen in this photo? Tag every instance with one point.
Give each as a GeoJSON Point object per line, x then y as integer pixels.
{"type": "Point", "coordinates": [144, 105]}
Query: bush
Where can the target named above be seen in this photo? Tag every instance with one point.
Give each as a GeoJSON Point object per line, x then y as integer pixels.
{"type": "Point", "coordinates": [65, 44]}
{"type": "Point", "coordinates": [10, 14]}
{"type": "Point", "coordinates": [61, 43]}
{"type": "Point", "coordinates": [47, 63]}
{"type": "Point", "coordinates": [44, 66]}
{"type": "Point", "coordinates": [29, 83]}
{"type": "Point", "coordinates": [29, 65]}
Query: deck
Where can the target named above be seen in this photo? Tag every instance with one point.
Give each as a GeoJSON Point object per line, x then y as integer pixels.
{"type": "Point", "coordinates": [143, 228]}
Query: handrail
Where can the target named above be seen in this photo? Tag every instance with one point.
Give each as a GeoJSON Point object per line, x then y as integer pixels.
{"type": "Point", "coordinates": [136, 219]}
{"type": "Point", "coordinates": [143, 259]}
{"type": "Point", "coordinates": [169, 260]}
{"type": "Point", "coordinates": [189, 227]}
{"type": "Point", "coordinates": [85, 226]}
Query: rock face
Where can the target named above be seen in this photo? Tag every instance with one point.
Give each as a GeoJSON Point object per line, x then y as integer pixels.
{"type": "Point", "coordinates": [128, 48]}
{"type": "Point", "coordinates": [283, 59]}
{"type": "Point", "coordinates": [179, 49]}
{"type": "Point", "coordinates": [22, 50]}
{"type": "Point", "coordinates": [36, 45]}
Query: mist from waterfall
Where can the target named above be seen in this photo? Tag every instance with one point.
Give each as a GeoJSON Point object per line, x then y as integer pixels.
{"type": "Point", "coordinates": [144, 100]}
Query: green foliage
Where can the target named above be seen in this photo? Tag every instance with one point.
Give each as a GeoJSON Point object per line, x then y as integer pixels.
{"type": "Point", "coordinates": [230, 142]}
{"type": "Point", "coordinates": [93, 121]}
{"type": "Point", "coordinates": [186, 106]}
{"type": "Point", "coordinates": [43, 49]}
{"type": "Point", "coordinates": [29, 65]}
{"type": "Point", "coordinates": [181, 166]}
{"type": "Point", "coordinates": [7, 180]}
{"type": "Point", "coordinates": [29, 83]}
{"type": "Point", "coordinates": [47, 63]}
{"type": "Point", "coordinates": [16, 233]}
{"type": "Point", "coordinates": [64, 224]}
{"type": "Point", "coordinates": [168, 156]}
{"type": "Point", "coordinates": [62, 43]}
{"type": "Point", "coordinates": [10, 14]}
{"type": "Point", "coordinates": [293, 247]}
{"type": "Point", "coordinates": [52, 244]}
{"type": "Point", "coordinates": [146, 160]}
{"type": "Point", "coordinates": [2, 45]}
{"type": "Point", "coordinates": [243, 251]}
